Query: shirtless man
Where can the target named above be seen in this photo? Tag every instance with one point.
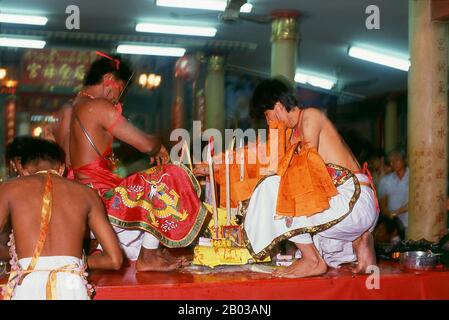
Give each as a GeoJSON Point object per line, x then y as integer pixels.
{"type": "Point", "coordinates": [275, 101]}
{"type": "Point", "coordinates": [95, 120]}
{"type": "Point", "coordinates": [49, 216]}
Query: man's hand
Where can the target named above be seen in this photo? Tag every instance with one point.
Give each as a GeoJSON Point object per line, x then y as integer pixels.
{"type": "Point", "coordinates": [161, 158]}
{"type": "Point", "coordinates": [201, 170]}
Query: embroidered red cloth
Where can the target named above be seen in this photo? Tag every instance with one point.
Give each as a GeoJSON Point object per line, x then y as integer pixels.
{"type": "Point", "coordinates": [163, 200]}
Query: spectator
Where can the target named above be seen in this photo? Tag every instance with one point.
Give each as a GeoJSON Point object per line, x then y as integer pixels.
{"type": "Point", "coordinates": [393, 190]}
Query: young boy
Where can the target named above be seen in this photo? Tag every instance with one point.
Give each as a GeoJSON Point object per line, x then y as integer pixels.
{"type": "Point", "coordinates": [49, 216]}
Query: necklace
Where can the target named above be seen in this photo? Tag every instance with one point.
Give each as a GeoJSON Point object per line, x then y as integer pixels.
{"type": "Point", "coordinates": [85, 94]}
{"type": "Point", "coordinates": [48, 171]}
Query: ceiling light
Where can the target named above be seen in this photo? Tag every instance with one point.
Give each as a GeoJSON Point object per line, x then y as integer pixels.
{"type": "Point", "coordinates": [21, 43]}
{"type": "Point", "coordinates": [316, 81]}
{"type": "Point", "coordinates": [22, 19]}
{"type": "Point", "coordinates": [216, 5]}
{"type": "Point", "coordinates": [380, 58]}
{"type": "Point", "coordinates": [176, 29]}
{"type": "Point", "coordinates": [3, 73]}
{"type": "Point", "coordinates": [151, 50]}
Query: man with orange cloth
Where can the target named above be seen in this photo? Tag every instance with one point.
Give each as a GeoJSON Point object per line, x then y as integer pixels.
{"type": "Point", "coordinates": [317, 197]}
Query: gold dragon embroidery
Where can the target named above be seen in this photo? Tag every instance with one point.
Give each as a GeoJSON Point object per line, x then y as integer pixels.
{"type": "Point", "coordinates": [158, 191]}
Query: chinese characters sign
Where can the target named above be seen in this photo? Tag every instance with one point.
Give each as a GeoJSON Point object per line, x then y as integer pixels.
{"type": "Point", "coordinates": [50, 68]}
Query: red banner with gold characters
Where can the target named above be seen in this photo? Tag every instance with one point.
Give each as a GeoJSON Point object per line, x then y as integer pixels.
{"type": "Point", "coordinates": [50, 68]}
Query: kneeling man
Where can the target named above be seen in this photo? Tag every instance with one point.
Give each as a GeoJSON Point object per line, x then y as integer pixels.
{"type": "Point", "coordinates": [319, 198]}
{"type": "Point", "coordinates": [49, 216]}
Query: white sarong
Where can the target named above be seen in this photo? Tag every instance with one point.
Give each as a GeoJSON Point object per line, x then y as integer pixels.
{"type": "Point", "coordinates": [69, 286]}
{"type": "Point", "coordinates": [351, 212]}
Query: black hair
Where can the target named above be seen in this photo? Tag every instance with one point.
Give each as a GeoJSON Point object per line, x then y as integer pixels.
{"type": "Point", "coordinates": [32, 150]}
{"type": "Point", "coordinates": [270, 91]}
{"type": "Point", "coordinates": [398, 152]}
{"type": "Point", "coordinates": [104, 66]}
{"type": "Point", "coordinates": [16, 148]}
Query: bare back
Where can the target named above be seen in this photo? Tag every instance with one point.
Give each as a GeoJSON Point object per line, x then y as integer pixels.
{"type": "Point", "coordinates": [71, 205]}
{"type": "Point", "coordinates": [91, 113]}
{"type": "Point", "coordinates": [319, 132]}
{"type": "Point", "coordinates": [61, 131]}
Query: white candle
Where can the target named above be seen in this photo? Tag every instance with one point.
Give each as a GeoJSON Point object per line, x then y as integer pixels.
{"type": "Point", "coordinates": [228, 188]}
{"type": "Point", "coordinates": [212, 185]}
{"type": "Point", "coordinates": [242, 160]}
{"type": "Point", "coordinates": [186, 149]}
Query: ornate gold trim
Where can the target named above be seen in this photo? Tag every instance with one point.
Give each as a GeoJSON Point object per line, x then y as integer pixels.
{"type": "Point", "coordinates": [184, 242]}
{"type": "Point", "coordinates": [216, 63]}
{"type": "Point", "coordinates": [315, 229]}
{"type": "Point", "coordinates": [284, 28]}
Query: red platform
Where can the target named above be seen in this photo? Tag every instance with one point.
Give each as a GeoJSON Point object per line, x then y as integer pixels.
{"type": "Point", "coordinates": [336, 284]}
{"type": "Point", "coordinates": [395, 283]}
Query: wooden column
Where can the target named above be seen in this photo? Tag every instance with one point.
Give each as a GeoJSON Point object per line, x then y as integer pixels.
{"type": "Point", "coordinates": [427, 123]}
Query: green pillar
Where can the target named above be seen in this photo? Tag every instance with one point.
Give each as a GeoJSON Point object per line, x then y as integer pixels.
{"type": "Point", "coordinates": [284, 44]}
{"type": "Point", "coordinates": [215, 93]}
{"type": "Point", "coordinates": [427, 123]}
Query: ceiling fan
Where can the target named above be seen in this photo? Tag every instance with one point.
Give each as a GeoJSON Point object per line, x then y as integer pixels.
{"type": "Point", "coordinates": [231, 14]}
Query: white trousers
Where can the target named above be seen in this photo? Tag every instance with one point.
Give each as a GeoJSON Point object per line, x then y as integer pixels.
{"type": "Point", "coordinates": [263, 226]}
{"type": "Point", "coordinates": [131, 241]}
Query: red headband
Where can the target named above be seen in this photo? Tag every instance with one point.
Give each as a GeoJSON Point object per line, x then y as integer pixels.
{"type": "Point", "coordinates": [117, 61]}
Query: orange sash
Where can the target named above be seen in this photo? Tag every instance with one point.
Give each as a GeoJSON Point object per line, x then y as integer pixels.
{"type": "Point", "coordinates": [306, 186]}
{"type": "Point", "coordinates": [16, 276]}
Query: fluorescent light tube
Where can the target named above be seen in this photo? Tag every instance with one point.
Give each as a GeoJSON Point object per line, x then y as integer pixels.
{"type": "Point", "coordinates": [151, 50]}
{"type": "Point", "coordinates": [215, 5]}
{"type": "Point", "coordinates": [23, 19]}
{"type": "Point", "coordinates": [379, 58]}
{"type": "Point", "coordinates": [315, 81]}
{"type": "Point", "coordinates": [21, 43]}
{"type": "Point", "coordinates": [176, 29]}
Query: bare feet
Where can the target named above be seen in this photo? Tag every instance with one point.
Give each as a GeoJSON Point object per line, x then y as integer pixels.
{"type": "Point", "coordinates": [156, 260]}
{"type": "Point", "coordinates": [182, 259]}
{"type": "Point", "coordinates": [311, 264]}
{"type": "Point", "coordinates": [364, 250]}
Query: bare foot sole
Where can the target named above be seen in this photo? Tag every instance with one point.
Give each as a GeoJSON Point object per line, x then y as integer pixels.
{"type": "Point", "coordinates": [155, 260]}
{"type": "Point", "coordinates": [364, 250]}
{"type": "Point", "coordinates": [302, 268]}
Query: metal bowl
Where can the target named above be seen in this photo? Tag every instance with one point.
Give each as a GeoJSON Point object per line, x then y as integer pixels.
{"type": "Point", "coordinates": [419, 260]}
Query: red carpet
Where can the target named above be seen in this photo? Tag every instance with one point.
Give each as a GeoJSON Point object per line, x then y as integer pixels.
{"type": "Point", "coordinates": [336, 284]}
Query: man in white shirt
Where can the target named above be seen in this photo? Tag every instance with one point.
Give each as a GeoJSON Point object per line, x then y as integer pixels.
{"type": "Point", "coordinates": [393, 189]}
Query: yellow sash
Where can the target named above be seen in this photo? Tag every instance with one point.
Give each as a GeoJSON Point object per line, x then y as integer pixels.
{"type": "Point", "coordinates": [16, 276]}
